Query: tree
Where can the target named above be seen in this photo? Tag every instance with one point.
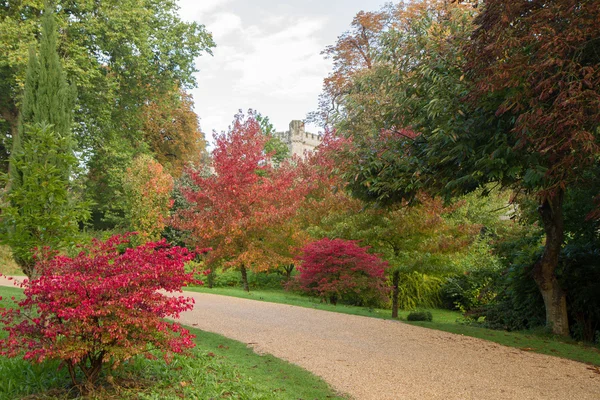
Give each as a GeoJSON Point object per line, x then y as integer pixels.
{"type": "Point", "coordinates": [233, 210]}
{"type": "Point", "coordinates": [517, 104]}
{"type": "Point", "coordinates": [41, 210]}
{"type": "Point", "coordinates": [422, 244]}
{"type": "Point", "coordinates": [148, 193]}
{"type": "Point", "coordinates": [172, 131]}
{"type": "Point", "coordinates": [101, 308]}
{"type": "Point", "coordinates": [121, 56]}
{"type": "Point", "coordinates": [545, 74]}
{"type": "Point", "coordinates": [275, 146]}
{"type": "Point", "coordinates": [341, 270]}
{"type": "Point", "coordinates": [48, 98]}
{"type": "Point", "coordinates": [115, 71]}
{"type": "Point", "coordinates": [354, 51]}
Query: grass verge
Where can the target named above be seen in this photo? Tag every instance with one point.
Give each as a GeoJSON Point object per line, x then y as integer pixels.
{"type": "Point", "coordinates": [538, 341]}
{"type": "Point", "coordinates": [218, 368]}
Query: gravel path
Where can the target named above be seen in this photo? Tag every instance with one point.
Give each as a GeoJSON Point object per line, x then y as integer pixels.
{"type": "Point", "coordinates": [370, 358]}
{"type": "Point", "coordinates": [377, 359]}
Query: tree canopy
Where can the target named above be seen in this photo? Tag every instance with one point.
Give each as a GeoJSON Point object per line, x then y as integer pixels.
{"type": "Point", "coordinates": [451, 104]}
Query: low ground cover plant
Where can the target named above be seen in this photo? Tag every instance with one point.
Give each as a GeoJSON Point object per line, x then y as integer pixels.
{"type": "Point", "coordinates": [101, 308]}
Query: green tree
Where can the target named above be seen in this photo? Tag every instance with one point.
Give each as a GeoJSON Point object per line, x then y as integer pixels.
{"type": "Point", "coordinates": [274, 145]}
{"type": "Point", "coordinates": [450, 108]}
{"type": "Point", "coordinates": [121, 56]}
{"type": "Point", "coordinates": [41, 211]}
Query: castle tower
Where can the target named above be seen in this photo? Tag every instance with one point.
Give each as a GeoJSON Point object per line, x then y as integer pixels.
{"type": "Point", "coordinates": [297, 130]}
{"type": "Point", "coordinates": [298, 140]}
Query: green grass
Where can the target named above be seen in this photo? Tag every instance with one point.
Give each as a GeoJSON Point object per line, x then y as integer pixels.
{"type": "Point", "coordinates": [538, 341]}
{"type": "Point", "coordinates": [218, 368]}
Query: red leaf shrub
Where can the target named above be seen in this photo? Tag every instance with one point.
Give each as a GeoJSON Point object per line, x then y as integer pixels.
{"type": "Point", "coordinates": [342, 270]}
{"type": "Point", "coordinates": [101, 307]}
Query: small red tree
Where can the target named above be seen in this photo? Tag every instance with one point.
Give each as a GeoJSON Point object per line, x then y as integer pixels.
{"type": "Point", "coordinates": [340, 269]}
{"type": "Point", "coordinates": [101, 307]}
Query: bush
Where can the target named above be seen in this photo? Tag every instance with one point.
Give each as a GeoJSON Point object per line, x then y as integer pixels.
{"type": "Point", "coordinates": [419, 316]}
{"type": "Point", "coordinates": [518, 305]}
{"type": "Point", "coordinates": [469, 290]}
{"type": "Point", "coordinates": [101, 307]}
{"type": "Point", "coordinates": [338, 270]}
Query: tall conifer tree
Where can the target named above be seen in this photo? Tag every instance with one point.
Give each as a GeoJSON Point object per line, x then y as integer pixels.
{"type": "Point", "coordinates": [41, 212]}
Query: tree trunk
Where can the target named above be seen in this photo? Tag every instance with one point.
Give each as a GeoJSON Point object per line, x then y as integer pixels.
{"type": "Point", "coordinates": [544, 270]}
{"type": "Point", "coordinates": [210, 278]}
{"type": "Point", "coordinates": [333, 299]}
{"type": "Point", "coordinates": [245, 278]}
{"type": "Point", "coordinates": [395, 292]}
{"type": "Point", "coordinates": [288, 271]}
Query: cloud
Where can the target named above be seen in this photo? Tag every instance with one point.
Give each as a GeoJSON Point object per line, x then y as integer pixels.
{"type": "Point", "coordinates": [282, 62]}
{"type": "Point", "coordinates": [195, 10]}
{"type": "Point", "coordinates": [223, 24]}
{"type": "Point", "coordinates": [269, 61]}
{"type": "Point", "coordinates": [288, 62]}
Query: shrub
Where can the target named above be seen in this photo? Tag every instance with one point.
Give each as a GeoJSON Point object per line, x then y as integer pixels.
{"type": "Point", "coordinates": [418, 290]}
{"type": "Point", "coordinates": [419, 316]}
{"type": "Point", "coordinates": [101, 307]}
{"type": "Point", "coordinates": [469, 290]}
{"type": "Point", "coordinates": [341, 270]}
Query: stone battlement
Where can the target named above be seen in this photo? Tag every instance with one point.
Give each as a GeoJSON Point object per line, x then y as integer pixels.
{"type": "Point", "coordinates": [298, 140]}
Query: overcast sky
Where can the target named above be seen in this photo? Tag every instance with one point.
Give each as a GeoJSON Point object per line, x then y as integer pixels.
{"type": "Point", "coordinates": [267, 56]}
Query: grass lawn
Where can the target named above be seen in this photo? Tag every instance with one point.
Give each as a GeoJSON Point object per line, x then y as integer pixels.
{"type": "Point", "coordinates": [537, 341]}
{"type": "Point", "coordinates": [218, 368]}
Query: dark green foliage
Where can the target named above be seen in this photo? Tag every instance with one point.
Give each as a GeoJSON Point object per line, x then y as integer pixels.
{"type": "Point", "coordinates": [581, 278]}
{"type": "Point", "coordinates": [519, 304]}
{"type": "Point", "coordinates": [580, 261]}
{"type": "Point", "coordinates": [419, 316]}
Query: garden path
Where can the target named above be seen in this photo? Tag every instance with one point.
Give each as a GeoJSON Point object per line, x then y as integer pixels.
{"type": "Point", "coordinates": [375, 359]}
{"type": "Point", "coordinates": [378, 359]}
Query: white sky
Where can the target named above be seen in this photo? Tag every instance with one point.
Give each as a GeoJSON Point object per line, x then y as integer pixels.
{"type": "Point", "coordinates": [267, 56]}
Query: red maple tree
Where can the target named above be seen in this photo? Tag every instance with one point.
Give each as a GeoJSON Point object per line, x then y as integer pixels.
{"type": "Point", "coordinates": [234, 210]}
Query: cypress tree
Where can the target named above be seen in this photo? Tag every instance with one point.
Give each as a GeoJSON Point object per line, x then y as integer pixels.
{"type": "Point", "coordinates": [41, 212]}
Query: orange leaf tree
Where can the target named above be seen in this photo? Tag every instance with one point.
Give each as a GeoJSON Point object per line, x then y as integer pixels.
{"type": "Point", "coordinates": [236, 210]}
{"type": "Point", "coordinates": [171, 129]}
{"type": "Point", "coordinates": [148, 193]}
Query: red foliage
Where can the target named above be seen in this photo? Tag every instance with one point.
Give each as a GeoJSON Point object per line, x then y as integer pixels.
{"type": "Point", "coordinates": [542, 57]}
{"type": "Point", "coordinates": [101, 307]}
{"type": "Point", "coordinates": [236, 208]}
{"type": "Point", "coordinates": [341, 269]}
